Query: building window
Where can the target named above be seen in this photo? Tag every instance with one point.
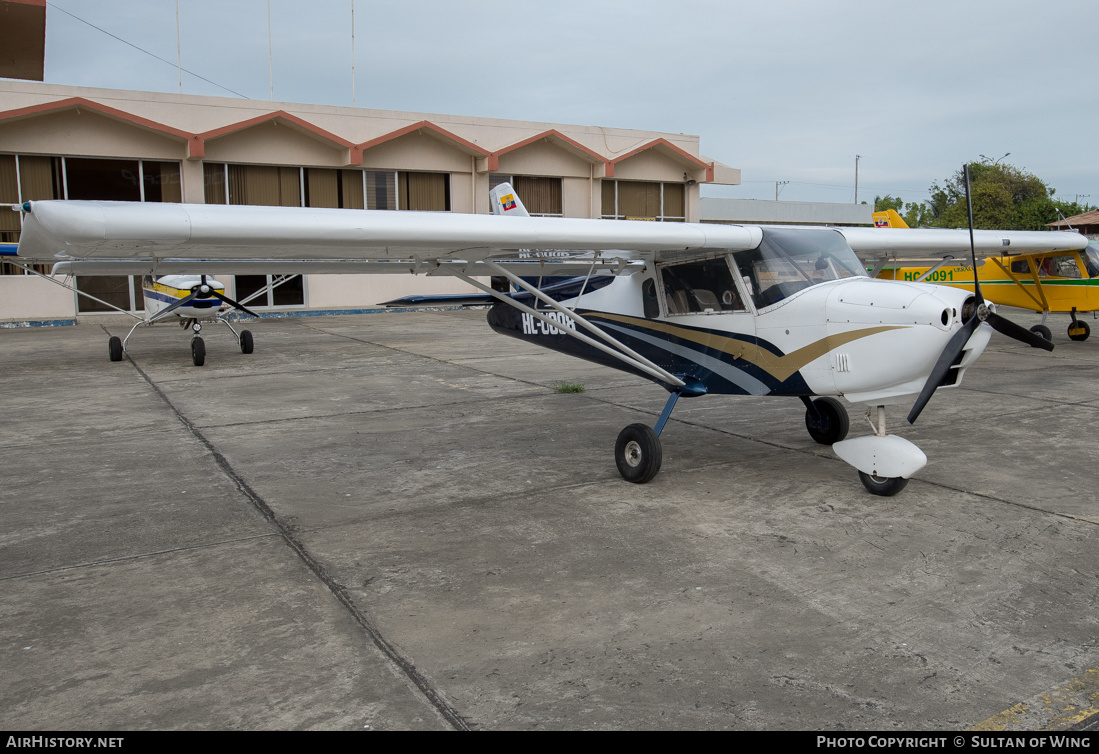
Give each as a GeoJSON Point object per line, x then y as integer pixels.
{"type": "Point", "coordinates": [161, 181]}
{"type": "Point", "coordinates": [265, 291]}
{"type": "Point", "coordinates": [265, 185]}
{"type": "Point", "coordinates": [427, 192]}
{"type": "Point", "coordinates": [541, 196]}
{"type": "Point", "coordinates": [33, 177]}
{"type": "Point", "coordinates": [213, 183]}
{"type": "Point", "coordinates": [337, 189]}
{"type": "Point", "coordinates": [381, 189]}
{"type": "Point", "coordinates": [644, 200]}
{"type": "Point", "coordinates": [121, 291]}
{"type": "Point", "coordinates": [276, 186]}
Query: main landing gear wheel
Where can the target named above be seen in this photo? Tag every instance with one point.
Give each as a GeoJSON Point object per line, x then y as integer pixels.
{"type": "Point", "coordinates": [832, 424]}
{"type": "Point", "coordinates": [114, 347]}
{"type": "Point", "coordinates": [1079, 330]}
{"type": "Point", "coordinates": [1043, 331]}
{"type": "Point", "coordinates": [198, 351]}
{"type": "Point", "coordinates": [246, 344]}
{"type": "Point", "coordinates": [884, 486]}
{"type": "Point", "coordinates": [637, 453]}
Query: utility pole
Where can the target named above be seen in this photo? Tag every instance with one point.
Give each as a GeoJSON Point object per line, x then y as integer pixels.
{"type": "Point", "coordinates": [352, 53]}
{"type": "Point", "coordinates": [179, 53]}
{"type": "Point", "coordinates": [270, 66]}
{"type": "Point", "coordinates": [857, 158]}
{"type": "Point", "coordinates": [777, 184]}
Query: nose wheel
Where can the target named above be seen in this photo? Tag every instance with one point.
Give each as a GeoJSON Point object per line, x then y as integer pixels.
{"type": "Point", "coordinates": [884, 461]}
{"type": "Point", "coordinates": [198, 346]}
{"type": "Point", "coordinates": [884, 486]}
{"type": "Point", "coordinates": [198, 351]}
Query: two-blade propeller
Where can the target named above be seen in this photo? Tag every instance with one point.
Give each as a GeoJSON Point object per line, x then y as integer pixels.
{"type": "Point", "coordinates": [979, 313]}
{"type": "Point", "coordinates": [211, 292]}
{"type": "Point", "coordinates": [203, 290]}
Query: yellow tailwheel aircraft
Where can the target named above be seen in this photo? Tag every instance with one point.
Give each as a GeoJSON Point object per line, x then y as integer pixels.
{"type": "Point", "coordinates": [1043, 281]}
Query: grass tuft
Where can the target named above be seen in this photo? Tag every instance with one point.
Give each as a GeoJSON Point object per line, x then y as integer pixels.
{"type": "Point", "coordinates": [568, 387]}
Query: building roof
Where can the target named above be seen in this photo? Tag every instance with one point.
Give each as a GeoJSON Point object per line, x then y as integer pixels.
{"type": "Point", "coordinates": [765, 211]}
{"type": "Point", "coordinates": [1087, 218]}
{"type": "Point", "coordinates": [195, 120]}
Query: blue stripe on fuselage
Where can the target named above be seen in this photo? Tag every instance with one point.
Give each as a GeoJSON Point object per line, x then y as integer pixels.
{"type": "Point", "coordinates": [720, 372]}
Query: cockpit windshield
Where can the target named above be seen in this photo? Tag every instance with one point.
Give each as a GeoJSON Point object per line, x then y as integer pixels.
{"type": "Point", "coordinates": [790, 259]}
{"type": "Point", "coordinates": [1091, 259]}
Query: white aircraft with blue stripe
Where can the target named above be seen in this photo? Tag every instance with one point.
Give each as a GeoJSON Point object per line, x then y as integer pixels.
{"type": "Point", "coordinates": [697, 309]}
{"type": "Point", "coordinates": [192, 300]}
{"type": "Point", "coordinates": [187, 299]}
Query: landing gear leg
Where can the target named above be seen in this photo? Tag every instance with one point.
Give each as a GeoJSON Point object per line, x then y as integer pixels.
{"type": "Point", "coordinates": [637, 452]}
{"type": "Point", "coordinates": [1041, 329]}
{"type": "Point", "coordinates": [880, 485]}
{"type": "Point", "coordinates": [244, 337]}
{"type": "Point", "coordinates": [1078, 329]}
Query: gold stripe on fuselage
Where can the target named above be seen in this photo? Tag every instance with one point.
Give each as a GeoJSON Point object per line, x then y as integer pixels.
{"type": "Point", "coordinates": [779, 367]}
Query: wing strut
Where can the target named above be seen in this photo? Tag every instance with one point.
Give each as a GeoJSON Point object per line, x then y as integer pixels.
{"type": "Point", "coordinates": [947, 260]}
{"type": "Point", "coordinates": [73, 288]}
{"type": "Point", "coordinates": [619, 351]}
{"type": "Point", "coordinates": [571, 314]}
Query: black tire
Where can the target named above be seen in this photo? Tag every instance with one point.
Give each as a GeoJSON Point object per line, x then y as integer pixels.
{"type": "Point", "coordinates": [198, 351]}
{"type": "Point", "coordinates": [833, 424]}
{"type": "Point", "coordinates": [884, 486]}
{"type": "Point", "coordinates": [637, 453]}
{"type": "Point", "coordinates": [114, 347]}
{"type": "Point", "coordinates": [1080, 325]}
{"type": "Point", "coordinates": [246, 344]}
{"type": "Point", "coordinates": [1043, 331]}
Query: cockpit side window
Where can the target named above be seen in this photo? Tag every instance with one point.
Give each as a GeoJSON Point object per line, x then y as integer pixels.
{"type": "Point", "coordinates": [1062, 266]}
{"type": "Point", "coordinates": [701, 286]}
{"type": "Point", "coordinates": [649, 300]}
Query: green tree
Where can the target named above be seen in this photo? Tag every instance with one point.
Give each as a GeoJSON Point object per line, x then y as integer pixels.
{"type": "Point", "coordinates": [917, 215]}
{"type": "Point", "coordinates": [914, 214]}
{"type": "Point", "coordinates": [1004, 197]}
{"type": "Point", "coordinates": [882, 203]}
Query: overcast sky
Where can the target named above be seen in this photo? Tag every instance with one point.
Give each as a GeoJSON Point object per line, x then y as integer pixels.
{"type": "Point", "coordinates": [784, 90]}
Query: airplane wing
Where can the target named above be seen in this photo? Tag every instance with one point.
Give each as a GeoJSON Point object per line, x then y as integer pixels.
{"type": "Point", "coordinates": [878, 243]}
{"type": "Point", "coordinates": [147, 238]}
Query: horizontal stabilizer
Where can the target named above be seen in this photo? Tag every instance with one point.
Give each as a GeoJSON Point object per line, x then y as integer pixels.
{"type": "Point", "coordinates": [442, 299]}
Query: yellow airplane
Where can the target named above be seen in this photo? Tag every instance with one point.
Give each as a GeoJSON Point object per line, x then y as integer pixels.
{"type": "Point", "coordinates": [1042, 281]}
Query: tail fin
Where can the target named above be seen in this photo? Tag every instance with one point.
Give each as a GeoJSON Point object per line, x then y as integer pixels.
{"type": "Point", "coordinates": [505, 201]}
{"type": "Point", "coordinates": [889, 219]}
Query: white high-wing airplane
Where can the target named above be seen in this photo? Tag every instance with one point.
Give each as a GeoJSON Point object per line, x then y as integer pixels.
{"type": "Point", "coordinates": [188, 299]}
{"type": "Point", "coordinates": [192, 299]}
{"type": "Point", "coordinates": [697, 309]}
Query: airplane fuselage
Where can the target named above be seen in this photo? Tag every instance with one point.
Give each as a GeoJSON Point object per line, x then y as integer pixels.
{"type": "Point", "coordinates": [868, 340]}
{"type": "Point", "coordinates": [162, 292]}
